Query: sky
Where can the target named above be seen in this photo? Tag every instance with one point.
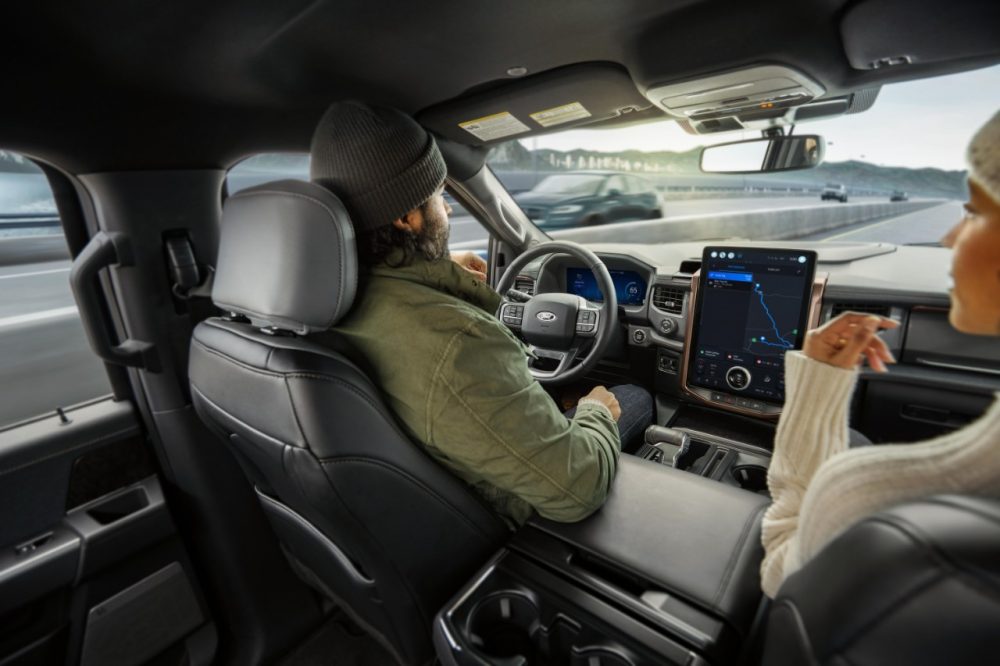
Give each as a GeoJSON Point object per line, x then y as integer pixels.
{"type": "Point", "coordinates": [925, 123]}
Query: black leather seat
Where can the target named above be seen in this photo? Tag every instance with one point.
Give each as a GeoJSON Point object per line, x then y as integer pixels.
{"type": "Point", "coordinates": [364, 515]}
{"type": "Point", "coordinates": [916, 584]}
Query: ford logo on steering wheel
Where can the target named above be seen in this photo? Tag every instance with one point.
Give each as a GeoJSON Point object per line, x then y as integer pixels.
{"type": "Point", "coordinates": [546, 316]}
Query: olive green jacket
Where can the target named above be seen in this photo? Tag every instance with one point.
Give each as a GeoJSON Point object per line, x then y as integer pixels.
{"type": "Point", "coordinates": [458, 380]}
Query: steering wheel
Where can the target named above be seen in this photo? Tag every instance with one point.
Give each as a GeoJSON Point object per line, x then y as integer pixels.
{"type": "Point", "coordinates": [558, 326]}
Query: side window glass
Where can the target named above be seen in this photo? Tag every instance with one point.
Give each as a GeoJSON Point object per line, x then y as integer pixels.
{"type": "Point", "coordinates": [614, 183]}
{"type": "Point", "coordinates": [466, 233]}
{"type": "Point", "coordinates": [45, 360]}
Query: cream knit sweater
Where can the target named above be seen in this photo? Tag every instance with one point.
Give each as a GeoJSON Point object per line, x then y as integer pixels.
{"type": "Point", "coordinates": [820, 488]}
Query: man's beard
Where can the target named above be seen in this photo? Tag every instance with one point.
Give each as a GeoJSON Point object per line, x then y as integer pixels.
{"type": "Point", "coordinates": [432, 241]}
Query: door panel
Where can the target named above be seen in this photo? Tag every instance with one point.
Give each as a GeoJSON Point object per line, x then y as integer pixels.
{"type": "Point", "coordinates": [88, 546]}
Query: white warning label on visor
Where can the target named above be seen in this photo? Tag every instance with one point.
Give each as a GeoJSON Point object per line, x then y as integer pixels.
{"type": "Point", "coordinates": [497, 126]}
{"type": "Point", "coordinates": [560, 114]}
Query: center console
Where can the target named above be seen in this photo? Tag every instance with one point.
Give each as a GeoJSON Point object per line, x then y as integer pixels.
{"type": "Point", "coordinates": [711, 456]}
{"type": "Point", "coordinates": [666, 572]}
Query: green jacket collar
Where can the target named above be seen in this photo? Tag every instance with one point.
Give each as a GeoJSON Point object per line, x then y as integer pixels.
{"type": "Point", "coordinates": [443, 275]}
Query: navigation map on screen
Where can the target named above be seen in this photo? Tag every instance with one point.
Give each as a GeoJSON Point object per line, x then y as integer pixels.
{"type": "Point", "coordinates": [753, 307]}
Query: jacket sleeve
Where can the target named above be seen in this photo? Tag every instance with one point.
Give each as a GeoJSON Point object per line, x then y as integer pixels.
{"type": "Point", "coordinates": [488, 416]}
{"type": "Point", "coordinates": [812, 429]}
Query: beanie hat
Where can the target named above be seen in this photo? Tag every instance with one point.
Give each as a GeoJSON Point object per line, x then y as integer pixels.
{"type": "Point", "coordinates": [984, 157]}
{"type": "Point", "coordinates": [379, 161]}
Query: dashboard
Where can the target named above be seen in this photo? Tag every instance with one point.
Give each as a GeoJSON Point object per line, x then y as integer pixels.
{"type": "Point", "coordinates": [944, 378]}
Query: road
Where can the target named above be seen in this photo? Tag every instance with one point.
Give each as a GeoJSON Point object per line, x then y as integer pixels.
{"type": "Point", "coordinates": [46, 363]}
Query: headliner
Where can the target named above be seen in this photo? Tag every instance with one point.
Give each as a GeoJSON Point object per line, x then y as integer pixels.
{"type": "Point", "coordinates": [134, 84]}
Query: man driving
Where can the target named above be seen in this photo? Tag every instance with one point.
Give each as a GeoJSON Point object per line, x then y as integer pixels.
{"type": "Point", "coordinates": [425, 324]}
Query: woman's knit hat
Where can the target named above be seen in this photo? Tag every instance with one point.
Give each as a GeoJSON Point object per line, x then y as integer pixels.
{"type": "Point", "coordinates": [984, 157]}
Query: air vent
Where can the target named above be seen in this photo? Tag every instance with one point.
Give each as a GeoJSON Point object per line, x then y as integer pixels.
{"type": "Point", "coordinates": [867, 308]}
{"type": "Point", "coordinates": [668, 299]}
{"type": "Point", "coordinates": [525, 284]}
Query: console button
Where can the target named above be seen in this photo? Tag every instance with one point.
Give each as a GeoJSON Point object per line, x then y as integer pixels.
{"type": "Point", "coordinates": [639, 335]}
{"type": "Point", "coordinates": [738, 377]}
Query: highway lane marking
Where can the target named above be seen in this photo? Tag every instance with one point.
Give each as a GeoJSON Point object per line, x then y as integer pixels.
{"type": "Point", "coordinates": [21, 275]}
{"type": "Point", "coordinates": [37, 316]}
{"type": "Point", "coordinates": [876, 224]}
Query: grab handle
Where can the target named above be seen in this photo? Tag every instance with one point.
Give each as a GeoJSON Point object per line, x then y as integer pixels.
{"type": "Point", "coordinates": [105, 250]}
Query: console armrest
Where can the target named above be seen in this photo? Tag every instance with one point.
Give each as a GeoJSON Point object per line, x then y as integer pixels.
{"type": "Point", "coordinates": [685, 535]}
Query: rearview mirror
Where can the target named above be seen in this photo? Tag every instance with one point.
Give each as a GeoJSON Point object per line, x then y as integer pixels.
{"type": "Point", "coordinates": [780, 153]}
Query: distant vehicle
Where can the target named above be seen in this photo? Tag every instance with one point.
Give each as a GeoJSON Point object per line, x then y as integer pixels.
{"type": "Point", "coordinates": [588, 198]}
{"type": "Point", "coordinates": [836, 191]}
{"type": "Point", "coordinates": [899, 195]}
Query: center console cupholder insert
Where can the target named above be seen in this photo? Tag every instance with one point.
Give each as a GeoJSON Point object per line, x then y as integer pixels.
{"type": "Point", "coordinates": [693, 458]}
{"type": "Point", "coordinates": [750, 477]}
{"type": "Point", "coordinates": [503, 627]}
{"type": "Point", "coordinates": [598, 656]}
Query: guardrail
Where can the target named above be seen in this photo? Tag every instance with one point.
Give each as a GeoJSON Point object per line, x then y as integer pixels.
{"type": "Point", "coordinates": [782, 223]}
{"type": "Point", "coordinates": [33, 249]}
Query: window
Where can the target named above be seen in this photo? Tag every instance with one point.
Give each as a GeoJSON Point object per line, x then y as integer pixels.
{"type": "Point", "coordinates": [615, 183]}
{"type": "Point", "coordinates": [466, 231]}
{"type": "Point", "coordinates": [45, 360]}
{"type": "Point", "coordinates": [907, 150]}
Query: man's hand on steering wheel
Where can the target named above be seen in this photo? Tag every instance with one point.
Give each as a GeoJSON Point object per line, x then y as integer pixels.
{"type": "Point", "coordinates": [561, 327]}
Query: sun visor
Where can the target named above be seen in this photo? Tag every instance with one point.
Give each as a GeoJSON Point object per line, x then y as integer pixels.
{"type": "Point", "coordinates": [875, 37]}
{"type": "Point", "coordinates": [554, 100]}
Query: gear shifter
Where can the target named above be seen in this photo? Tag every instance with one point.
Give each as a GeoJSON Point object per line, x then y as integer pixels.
{"type": "Point", "coordinates": [666, 444]}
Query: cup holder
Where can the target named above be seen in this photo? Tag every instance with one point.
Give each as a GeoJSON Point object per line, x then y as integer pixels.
{"type": "Point", "coordinates": [750, 477]}
{"type": "Point", "coordinates": [502, 627]}
{"type": "Point", "coordinates": [598, 656]}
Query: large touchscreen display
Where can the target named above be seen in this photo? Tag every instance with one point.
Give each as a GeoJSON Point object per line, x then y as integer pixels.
{"type": "Point", "coordinates": [630, 288]}
{"type": "Point", "coordinates": [753, 306]}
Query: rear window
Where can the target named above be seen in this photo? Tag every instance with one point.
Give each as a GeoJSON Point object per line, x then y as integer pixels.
{"type": "Point", "coordinates": [466, 232]}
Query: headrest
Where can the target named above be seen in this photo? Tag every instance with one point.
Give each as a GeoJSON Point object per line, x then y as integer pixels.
{"type": "Point", "coordinates": [287, 257]}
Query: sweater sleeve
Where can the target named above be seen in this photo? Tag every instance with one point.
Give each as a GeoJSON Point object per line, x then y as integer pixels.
{"type": "Point", "coordinates": [813, 427]}
{"type": "Point", "coordinates": [490, 418]}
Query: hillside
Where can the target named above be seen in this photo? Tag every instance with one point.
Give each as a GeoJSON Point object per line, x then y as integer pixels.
{"type": "Point", "coordinates": [661, 165]}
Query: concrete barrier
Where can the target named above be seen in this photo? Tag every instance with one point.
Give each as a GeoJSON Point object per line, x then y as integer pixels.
{"type": "Point", "coordinates": [32, 249]}
{"type": "Point", "coordinates": [777, 224]}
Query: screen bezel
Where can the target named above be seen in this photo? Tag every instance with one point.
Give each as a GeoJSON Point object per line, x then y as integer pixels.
{"type": "Point", "coordinates": [804, 318]}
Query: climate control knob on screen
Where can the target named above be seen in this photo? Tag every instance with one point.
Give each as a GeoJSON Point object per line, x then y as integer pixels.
{"type": "Point", "coordinates": [738, 377]}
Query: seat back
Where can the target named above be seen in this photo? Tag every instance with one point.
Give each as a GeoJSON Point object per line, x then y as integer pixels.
{"type": "Point", "coordinates": [916, 584]}
{"type": "Point", "coordinates": [362, 512]}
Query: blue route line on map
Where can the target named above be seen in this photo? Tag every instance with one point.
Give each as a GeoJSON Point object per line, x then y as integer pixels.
{"type": "Point", "coordinates": [786, 344]}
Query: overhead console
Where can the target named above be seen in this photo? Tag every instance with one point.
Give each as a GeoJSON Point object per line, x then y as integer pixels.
{"type": "Point", "coordinates": [737, 99]}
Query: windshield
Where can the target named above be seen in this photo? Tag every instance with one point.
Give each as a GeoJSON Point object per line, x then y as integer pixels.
{"type": "Point", "coordinates": [569, 184]}
{"type": "Point", "coordinates": [906, 155]}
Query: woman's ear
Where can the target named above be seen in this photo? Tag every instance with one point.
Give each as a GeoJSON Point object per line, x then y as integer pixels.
{"type": "Point", "coordinates": [412, 222]}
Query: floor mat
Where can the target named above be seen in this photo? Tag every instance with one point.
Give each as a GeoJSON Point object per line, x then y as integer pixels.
{"type": "Point", "coordinates": [339, 642]}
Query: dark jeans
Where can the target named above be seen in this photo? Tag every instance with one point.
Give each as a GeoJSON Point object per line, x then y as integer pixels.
{"type": "Point", "coordinates": [637, 414]}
